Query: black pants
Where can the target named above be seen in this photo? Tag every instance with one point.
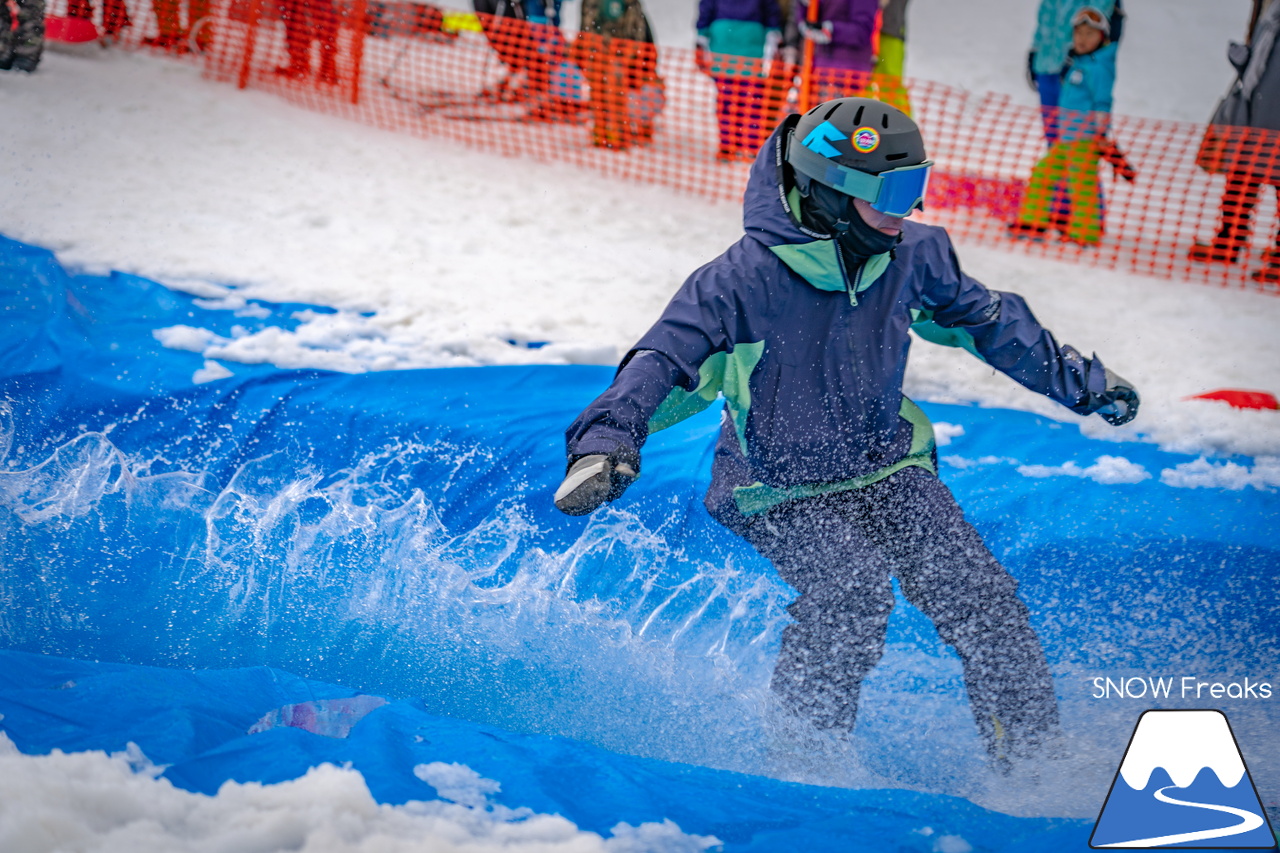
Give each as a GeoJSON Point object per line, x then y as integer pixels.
{"type": "Point", "coordinates": [21, 47]}
{"type": "Point", "coordinates": [839, 552]}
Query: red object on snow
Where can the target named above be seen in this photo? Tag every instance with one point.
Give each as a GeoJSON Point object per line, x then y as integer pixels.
{"type": "Point", "coordinates": [1241, 399]}
{"type": "Point", "coordinates": [70, 30]}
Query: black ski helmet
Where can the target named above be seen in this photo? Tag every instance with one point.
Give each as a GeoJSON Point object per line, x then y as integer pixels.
{"type": "Point", "coordinates": [859, 133]}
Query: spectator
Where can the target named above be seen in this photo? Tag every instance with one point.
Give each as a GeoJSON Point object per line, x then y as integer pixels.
{"type": "Point", "coordinates": [1050, 49]}
{"type": "Point", "coordinates": [842, 44]}
{"type": "Point", "coordinates": [21, 40]}
{"type": "Point", "coordinates": [306, 21]}
{"type": "Point", "coordinates": [1249, 155]}
{"type": "Point", "coordinates": [173, 36]}
{"type": "Point", "coordinates": [614, 48]}
{"type": "Point", "coordinates": [891, 59]}
{"type": "Point", "coordinates": [1072, 160]}
{"type": "Point", "coordinates": [115, 16]}
{"type": "Point", "coordinates": [529, 52]}
{"type": "Point", "coordinates": [732, 35]}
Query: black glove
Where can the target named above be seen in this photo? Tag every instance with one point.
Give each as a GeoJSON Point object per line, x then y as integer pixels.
{"type": "Point", "coordinates": [1031, 71]}
{"type": "Point", "coordinates": [1109, 151]}
{"type": "Point", "coordinates": [1120, 400]}
{"type": "Point", "coordinates": [594, 480]}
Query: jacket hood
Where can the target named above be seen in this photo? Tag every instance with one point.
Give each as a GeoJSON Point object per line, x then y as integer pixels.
{"type": "Point", "coordinates": [767, 216]}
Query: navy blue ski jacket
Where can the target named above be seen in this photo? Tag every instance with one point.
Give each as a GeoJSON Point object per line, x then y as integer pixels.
{"type": "Point", "coordinates": [810, 355]}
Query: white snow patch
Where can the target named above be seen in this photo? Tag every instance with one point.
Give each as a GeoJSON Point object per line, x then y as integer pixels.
{"type": "Point", "coordinates": [211, 372]}
{"type": "Point", "coordinates": [943, 432]}
{"type": "Point", "coordinates": [1108, 470]}
{"type": "Point", "coordinates": [965, 462]}
{"type": "Point", "coordinates": [952, 844]}
{"type": "Point", "coordinates": [93, 802]}
{"type": "Point", "coordinates": [1203, 474]}
{"type": "Point", "coordinates": [457, 783]}
{"type": "Point", "coordinates": [186, 338]}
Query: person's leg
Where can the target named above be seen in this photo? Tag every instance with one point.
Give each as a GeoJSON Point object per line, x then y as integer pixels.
{"type": "Point", "coordinates": [169, 22]}
{"type": "Point", "coordinates": [1050, 88]}
{"type": "Point", "coordinates": [115, 17]}
{"type": "Point", "coordinates": [589, 53]}
{"type": "Point", "coordinates": [947, 571]}
{"type": "Point", "coordinates": [297, 38]}
{"type": "Point", "coordinates": [1085, 224]}
{"type": "Point", "coordinates": [1035, 211]}
{"type": "Point", "coordinates": [198, 22]}
{"type": "Point", "coordinates": [728, 113]}
{"type": "Point", "coordinates": [28, 38]}
{"type": "Point", "coordinates": [842, 612]}
{"type": "Point", "coordinates": [324, 29]}
{"type": "Point", "coordinates": [6, 37]}
{"type": "Point", "coordinates": [889, 69]}
{"type": "Point", "coordinates": [756, 127]}
{"type": "Point", "coordinates": [1269, 272]}
{"type": "Point", "coordinates": [1239, 197]}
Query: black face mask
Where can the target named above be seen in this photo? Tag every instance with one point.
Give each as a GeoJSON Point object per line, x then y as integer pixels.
{"type": "Point", "coordinates": [832, 212]}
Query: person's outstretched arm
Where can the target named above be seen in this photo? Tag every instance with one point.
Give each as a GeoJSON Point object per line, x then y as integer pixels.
{"type": "Point", "coordinates": [665, 367]}
{"type": "Point", "coordinates": [1000, 329]}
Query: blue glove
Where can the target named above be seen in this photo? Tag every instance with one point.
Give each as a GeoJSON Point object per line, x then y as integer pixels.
{"type": "Point", "coordinates": [594, 480]}
{"type": "Point", "coordinates": [1120, 400]}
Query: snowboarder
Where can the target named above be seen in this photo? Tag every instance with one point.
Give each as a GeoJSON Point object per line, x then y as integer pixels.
{"type": "Point", "coordinates": [822, 464]}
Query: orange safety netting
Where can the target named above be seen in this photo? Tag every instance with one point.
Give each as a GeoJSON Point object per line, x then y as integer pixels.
{"type": "Point", "coordinates": [692, 122]}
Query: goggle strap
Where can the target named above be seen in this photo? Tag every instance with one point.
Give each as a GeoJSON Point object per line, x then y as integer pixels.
{"type": "Point", "coordinates": [841, 178]}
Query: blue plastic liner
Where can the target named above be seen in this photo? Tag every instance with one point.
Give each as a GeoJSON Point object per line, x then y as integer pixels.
{"type": "Point", "coordinates": [393, 532]}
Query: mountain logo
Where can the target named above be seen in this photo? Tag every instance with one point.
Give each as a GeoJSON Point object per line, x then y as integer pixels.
{"type": "Point", "coordinates": [1182, 783]}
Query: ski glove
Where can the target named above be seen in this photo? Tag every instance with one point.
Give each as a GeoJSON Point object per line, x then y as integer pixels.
{"type": "Point", "coordinates": [817, 35]}
{"type": "Point", "coordinates": [594, 480]}
{"type": "Point", "coordinates": [1120, 400]}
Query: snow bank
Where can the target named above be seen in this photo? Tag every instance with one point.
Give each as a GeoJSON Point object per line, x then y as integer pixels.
{"type": "Point", "coordinates": [92, 802]}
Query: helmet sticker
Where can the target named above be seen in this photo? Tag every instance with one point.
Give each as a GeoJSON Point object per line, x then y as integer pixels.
{"type": "Point", "coordinates": [820, 138]}
{"type": "Point", "coordinates": [866, 140]}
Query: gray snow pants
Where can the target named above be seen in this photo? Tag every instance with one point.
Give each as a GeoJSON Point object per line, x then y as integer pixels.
{"type": "Point", "coordinates": [839, 551]}
{"type": "Point", "coordinates": [21, 48]}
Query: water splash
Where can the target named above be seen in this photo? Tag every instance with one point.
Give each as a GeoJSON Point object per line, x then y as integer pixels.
{"type": "Point", "coordinates": [620, 635]}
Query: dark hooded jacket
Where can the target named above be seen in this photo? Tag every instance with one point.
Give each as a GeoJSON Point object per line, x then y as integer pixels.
{"type": "Point", "coordinates": [810, 355]}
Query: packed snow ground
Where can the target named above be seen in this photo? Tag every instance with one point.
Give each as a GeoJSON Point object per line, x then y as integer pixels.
{"type": "Point", "coordinates": [132, 163]}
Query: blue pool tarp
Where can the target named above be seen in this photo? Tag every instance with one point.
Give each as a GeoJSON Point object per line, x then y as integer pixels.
{"type": "Point", "coordinates": [392, 533]}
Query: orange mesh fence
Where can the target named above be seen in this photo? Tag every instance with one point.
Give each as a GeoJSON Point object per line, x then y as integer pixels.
{"type": "Point", "coordinates": [692, 121]}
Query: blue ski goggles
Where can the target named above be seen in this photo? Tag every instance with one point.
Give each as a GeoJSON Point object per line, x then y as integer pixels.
{"type": "Point", "coordinates": [896, 192]}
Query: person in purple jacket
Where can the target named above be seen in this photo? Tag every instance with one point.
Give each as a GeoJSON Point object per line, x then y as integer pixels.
{"type": "Point", "coordinates": [823, 464]}
{"type": "Point", "coordinates": [737, 39]}
{"type": "Point", "coordinates": [842, 43]}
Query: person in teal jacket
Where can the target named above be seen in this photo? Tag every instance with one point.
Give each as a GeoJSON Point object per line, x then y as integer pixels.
{"type": "Point", "coordinates": [736, 40]}
{"type": "Point", "coordinates": [1050, 52]}
{"type": "Point", "coordinates": [1082, 123]}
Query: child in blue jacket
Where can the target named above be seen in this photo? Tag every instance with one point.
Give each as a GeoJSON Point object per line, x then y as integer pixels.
{"type": "Point", "coordinates": [1083, 119]}
{"type": "Point", "coordinates": [823, 464]}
